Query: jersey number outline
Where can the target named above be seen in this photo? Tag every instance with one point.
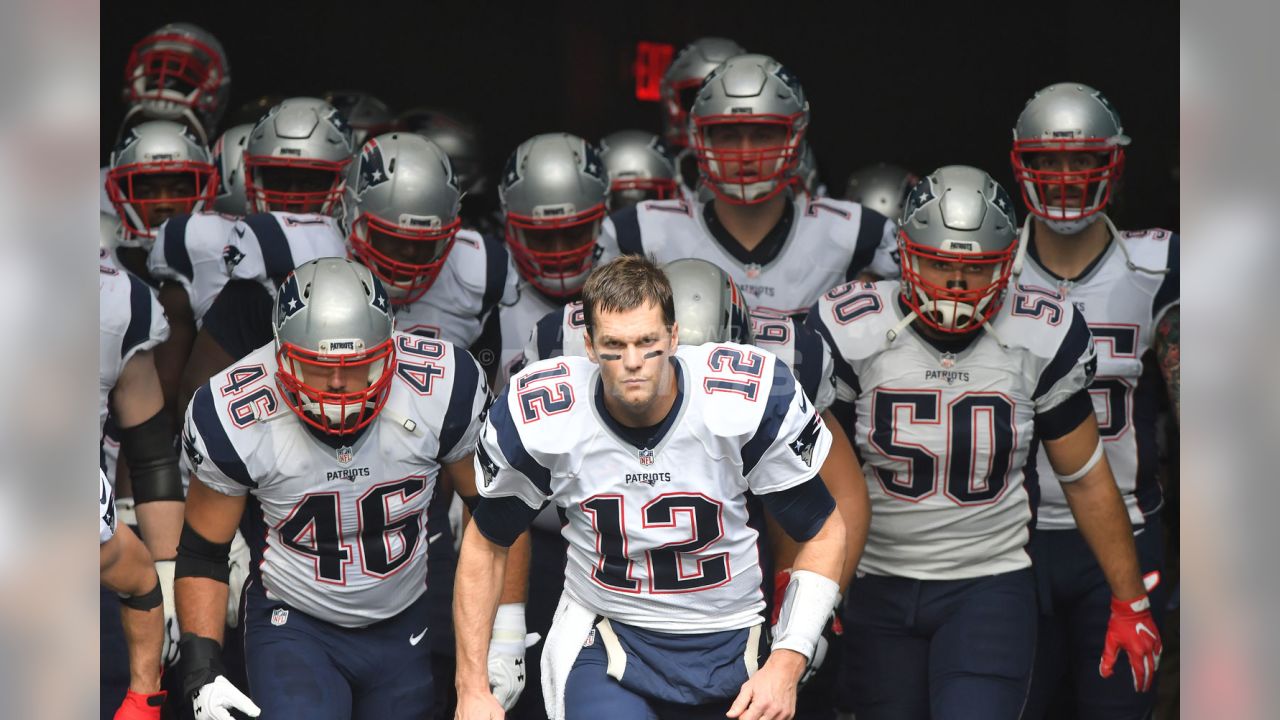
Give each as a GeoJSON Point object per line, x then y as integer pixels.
{"type": "Point", "coordinates": [541, 400]}
{"type": "Point", "coordinates": [1113, 393]}
{"type": "Point", "coordinates": [1035, 302]}
{"type": "Point", "coordinates": [244, 409]}
{"type": "Point", "coordinates": [419, 375]}
{"type": "Point", "coordinates": [740, 364]}
{"type": "Point", "coordinates": [962, 485]}
{"type": "Point", "coordinates": [615, 569]}
{"type": "Point", "coordinates": [314, 529]}
{"type": "Point", "coordinates": [768, 329]}
{"type": "Point", "coordinates": [853, 301]}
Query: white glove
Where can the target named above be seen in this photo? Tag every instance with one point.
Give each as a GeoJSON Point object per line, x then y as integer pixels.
{"type": "Point", "coordinates": [455, 521]}
{"type": "Point", "coordinates": [506, 654]}
{"type": "Point", "coordinates": [169, 651]}
{"type": "Point", "coordinates": [213, 700]}
{"type": "Point", "coordinates": [239, 567]}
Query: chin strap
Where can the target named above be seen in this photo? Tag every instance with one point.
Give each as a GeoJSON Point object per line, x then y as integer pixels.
{"type": "Point", "coordinates": [1024, 239]}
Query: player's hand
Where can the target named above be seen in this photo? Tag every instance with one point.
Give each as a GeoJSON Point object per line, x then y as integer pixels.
{"type": "Point", "coordinates": [1133, 630]}
{"type": "Point", "coordinates": [239, 568]}
{"type": "Point", "coordinates": [833, 629]}
{"type": "Point", "coordinates": [506, 654]}
{"type": "Point", "coordinates": [137, 706]}
{"type": "Point", "coordinates": [169, 650]}
{"type": "Point", "coordinates": [215, 701]}
{"type": "Point", "coordinates": [478, 706]}
{"type": "Point", "coordinates": [770, 694]}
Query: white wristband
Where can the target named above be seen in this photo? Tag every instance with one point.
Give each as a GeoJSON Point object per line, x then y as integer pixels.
{"type": "Point", "coordinates": [1093, 460]}
{"type": "Point", "coordinates": [808, 603]}
{"type": "Point", "coordinates": [508, 630]}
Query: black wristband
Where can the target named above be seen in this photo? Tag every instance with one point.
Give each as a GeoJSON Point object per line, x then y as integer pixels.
{"type": "Point", "coordinates": [153, 462]}
{"type": "Point", "coordinates": [201, 662]}
{"type": "Point", "coordinates": [147, 601]}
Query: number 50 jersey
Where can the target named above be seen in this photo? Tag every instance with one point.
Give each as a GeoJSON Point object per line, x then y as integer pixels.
{"type": "Point", "coordinates": [344, 538]}
{"type": "Point", "coordinates": [945, 436]}
{"type": "Point", "coordinates": [658, 535]}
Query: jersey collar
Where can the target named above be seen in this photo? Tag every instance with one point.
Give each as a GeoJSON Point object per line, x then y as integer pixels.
{"type": "Point", "coordinates": [1084, 275]}
{"type": "Point", "coordinates": [650, 438]}
{"type": "Point", "coordinates": [768, 249]}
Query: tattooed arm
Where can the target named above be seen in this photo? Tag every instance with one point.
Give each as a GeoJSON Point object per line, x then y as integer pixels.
{"type": "Point", "coordinates": [1169, 356]}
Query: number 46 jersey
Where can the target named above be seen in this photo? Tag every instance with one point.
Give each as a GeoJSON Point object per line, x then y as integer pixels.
{"type": "Point", "coordinates": [344, 538]}
{"type": "Point", "coordinates": [945, 435]}
{"type": "Point", "coordinates": [658, 535]}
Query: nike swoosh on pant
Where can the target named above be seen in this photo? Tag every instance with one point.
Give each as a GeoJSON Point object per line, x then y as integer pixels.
{"type": "Point", "coordinates": [415, 639]}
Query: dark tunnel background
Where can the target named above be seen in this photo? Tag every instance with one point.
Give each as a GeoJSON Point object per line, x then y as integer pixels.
{"type": "Point", "coordinates": [910, 84]}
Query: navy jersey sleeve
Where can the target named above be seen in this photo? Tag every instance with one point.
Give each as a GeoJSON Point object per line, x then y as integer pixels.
{"type": "Point", "coordinates": [210, 454]}
{"type": "Point", "coordinates": [240, 318]}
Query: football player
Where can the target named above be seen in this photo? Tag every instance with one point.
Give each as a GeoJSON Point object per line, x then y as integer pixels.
{"type": "Point", "coordinates": [131, 325]}
{"type": "Point", "coordinates": [367, 115]}
{"type": "Point", "coordinates": [678, 88]}
{"type": "Point", "coordinates": [125, 567]}
{"type": "Point", "coordinates": [178, 72]}
{"type": "Point", "coordinates": [783, 249]}
{"type": "Point", "coordinates": [1068, 152]}
{"type": "Point", "coordinates": [553, 194]}
{"type": "Point", "coordinates": [648, 451]}
{"type": "Point", "coordinates": [638, 167]}
{"type": "Point", "coordinates": [709, 308]}
{"type": "Point", "coordinates": [883, 187]}
{"type": "Point", "coordinates": [339, 430]}
{"type": "Point", "coordinates": [461, 142]}
{"type": "Point", "coordinates": [294, 163]}
{"type": "Point", "coordinates": [954, 378]}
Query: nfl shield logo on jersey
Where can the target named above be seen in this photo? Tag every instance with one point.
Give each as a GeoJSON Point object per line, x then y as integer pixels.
{"type": "Point", "coordinates": [753, 270]}
{"type": "Point", "coordinates": [344, 454]}
{"type": "Point", "coordinates": [646, 457]}
{"type": "Point", "coordinates": [279, 616]}
{"type": "Point", "coordinates": [947, 361]}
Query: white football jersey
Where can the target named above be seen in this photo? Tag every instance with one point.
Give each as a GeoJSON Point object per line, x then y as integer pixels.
{"type": "Point", "coordinates": [190, 250]}
{"type": "Point", "coordinates": [474, 279]}
{"type": "Point", "coordinates": [507, 330]}
{"type": "Point", "coordinates": [266, 247]}
{"type": "Point", "coordinates": [343, 526]}
{"type": "Point", "coordinates": [130, 321]}
{"type": "Point", "coordinates": [658, 536]}
{"type": "Point", "coordinates": [1123, 296]}
{"type": "Point", "coordinates": [944, 436]}
{"type": "Point", "coordinates": [828, 242]}
{"type": "Point", "coordinates": [561, 332]}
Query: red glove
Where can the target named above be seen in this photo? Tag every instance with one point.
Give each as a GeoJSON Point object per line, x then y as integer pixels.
{"type": "Point", "coordinates": [137, 706]}
{"type": "Point", "coordinates": [1133, 630]}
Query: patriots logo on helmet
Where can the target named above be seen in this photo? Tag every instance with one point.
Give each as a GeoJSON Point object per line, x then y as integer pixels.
{"type": "Point", "coordinates": [921, 195]}
{"type": "Point", "coordinates": [380, 299]}
{"type": "Point", "coordinates": [290, 301]}
{"type": "Point", "coordinates": [789, 79]}
{"type": "Point", "coordinates": [802, 446]}
{"type": "Point", "coordinates": [339, 121]}
{"type": "Point", "coordinates": [372, 170]}
{"type": "Point", "coordinates": [1003, 202]}
{"type": "Point", "coordinates": [595, 166]}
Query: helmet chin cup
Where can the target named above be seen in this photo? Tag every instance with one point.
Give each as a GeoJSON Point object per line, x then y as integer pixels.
{"type": "Point", "coordinates": [1069, 226]}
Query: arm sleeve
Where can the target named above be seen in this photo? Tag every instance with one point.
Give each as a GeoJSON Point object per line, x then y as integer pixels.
{"type": "Point", "coordinates": [791, 441]}
{"type": "Point", "coordinates": [207, 450]}
{"type": "Point", "coordinates": [463, 418]}
{"type": "Point", "coordinates": [801, 510]}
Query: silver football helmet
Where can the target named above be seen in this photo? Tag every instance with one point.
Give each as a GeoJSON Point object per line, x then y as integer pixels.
{"type": "Point", "coordinates": [459, 140]}
{"type": "Point", "coordinates": [709, 307]}
{"type": "Point", "coordinates": [1068, 154]}
{"type": "Point", "coordinates": [957, 214]}
{"type": "Point", "coordinates": [367, 115]}
{"type": "Point", "coordinates": [881, 187]}
{"type": "Point", "coordinates": [553, 193]}
{"type": "Point", "coordinates": [333, 336]}
{"type": "Point", "coordinates": [403, 203]}
{"type": "Point", "coordinates": [639, 168]}
{"type": "Point", "coordinates": [296, 158]}
{"type": "Point", "coordinates": [680, 83]}
{"type": "Point", "coordinates": [178, 72]}
{"type": "Point", "coordinates": [228, 159]}
{"type": "Point", "coordinates": [159, 169]}
{"type": "Point", "coordinates": [746, 95]}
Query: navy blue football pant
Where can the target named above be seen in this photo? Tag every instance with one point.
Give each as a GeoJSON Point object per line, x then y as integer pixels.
{"type": "Point", "coordinates": [302, 668]}
{"type": "Point", "coordinates": [940, 649]}
{"type": "Point", "coordinates": [442, 564]}
{"type": "Point", "coordinates": [666, 677]}
{"type": "Point", "coordinates": [1075, 606]}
